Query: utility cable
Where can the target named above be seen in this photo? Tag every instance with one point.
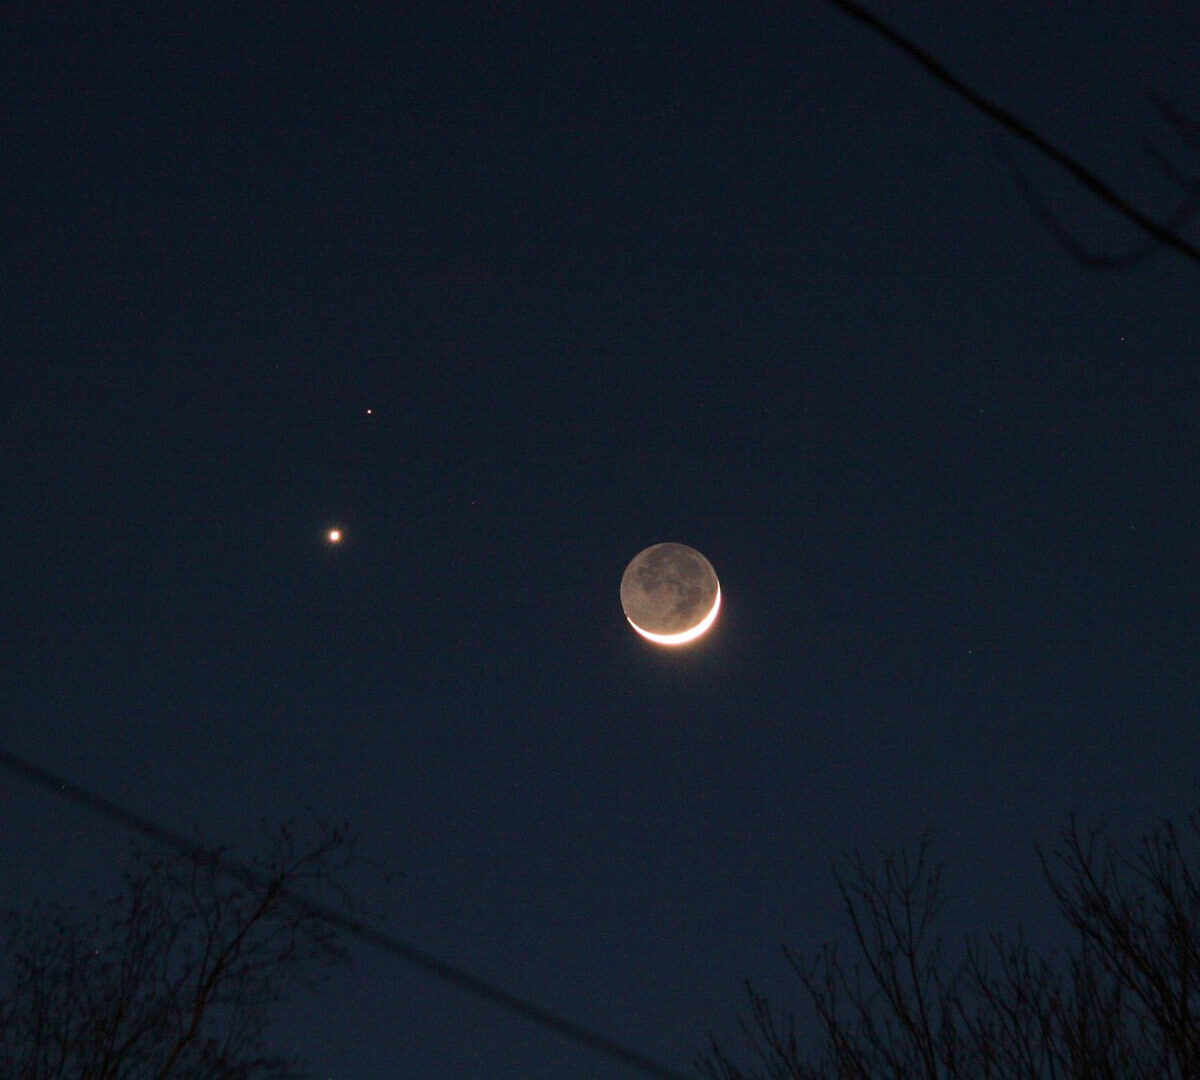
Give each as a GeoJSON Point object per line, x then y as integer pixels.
{"type": "Point", "coordinates": [353, 927]}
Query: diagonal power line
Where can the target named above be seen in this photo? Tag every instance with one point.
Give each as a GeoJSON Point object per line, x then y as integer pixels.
{"type": "Point", "coordinates": [1021, 130]}
{"type": "Point", "coordinates": [353, 927]}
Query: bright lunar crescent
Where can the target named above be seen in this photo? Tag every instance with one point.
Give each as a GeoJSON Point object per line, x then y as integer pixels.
{"type": "Point", "coordinates": [670, 594]}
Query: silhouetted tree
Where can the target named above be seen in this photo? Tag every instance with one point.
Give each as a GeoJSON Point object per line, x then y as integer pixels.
{"type": "Point", "coordinates": [1122, 1002]}
{"type": "Point", "coordinates": [177, 977]}
{"type": "Point", "coordinates": [1159, 234]}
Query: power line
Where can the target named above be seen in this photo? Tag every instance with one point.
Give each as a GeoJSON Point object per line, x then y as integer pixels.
{"type": "Point", "coordinates": [356, 928]}
{"type": "Point", "coordinates": [1019, 128]}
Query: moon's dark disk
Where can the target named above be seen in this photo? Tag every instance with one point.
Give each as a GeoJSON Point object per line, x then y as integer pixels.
{"type": "Point", "coordinates": [670, 593]}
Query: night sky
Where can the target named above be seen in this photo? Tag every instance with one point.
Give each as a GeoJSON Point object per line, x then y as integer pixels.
{"type": "Point", "coordinates": [508, 294]}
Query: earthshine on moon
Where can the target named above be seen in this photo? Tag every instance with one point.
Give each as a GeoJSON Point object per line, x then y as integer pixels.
{"type": "Point", "coordinates": [670, 594]}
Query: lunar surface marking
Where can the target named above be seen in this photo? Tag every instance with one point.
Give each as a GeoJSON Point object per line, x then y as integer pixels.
{"type": "Point", "coordinates": [670, 594]}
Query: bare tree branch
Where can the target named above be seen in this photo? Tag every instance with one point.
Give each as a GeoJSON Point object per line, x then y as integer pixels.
{"type": "Point", "coordinates": [1159, 234]}
{"type": "Point", "coordinates": [1120, 1003]}
{"type": "Point", "coordinates": [178, 982]}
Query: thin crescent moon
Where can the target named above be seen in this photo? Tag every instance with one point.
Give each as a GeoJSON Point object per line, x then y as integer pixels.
{"type": "Point", "coordinates": [684, 636]}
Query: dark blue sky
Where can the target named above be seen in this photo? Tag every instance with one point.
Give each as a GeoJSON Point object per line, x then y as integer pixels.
{"type": "Point", "coordinates": [508, 295]}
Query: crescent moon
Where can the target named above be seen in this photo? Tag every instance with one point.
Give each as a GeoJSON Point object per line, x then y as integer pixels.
{"type": "Point", "coordinates": [670, 594]}
{"type": "Point", "coordinates": [684, 636]}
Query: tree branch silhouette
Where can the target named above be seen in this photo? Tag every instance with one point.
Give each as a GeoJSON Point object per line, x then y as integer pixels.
{"type": "Point", "coordinates": [1119, 999]}
{"type": "Point", "coordinates": [1160, 234]}
{"type": "Point", "coordinates": [326, 915]}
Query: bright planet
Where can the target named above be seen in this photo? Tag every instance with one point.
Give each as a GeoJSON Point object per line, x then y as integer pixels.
{"type": "Point", "coordinates": [670, 594]}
